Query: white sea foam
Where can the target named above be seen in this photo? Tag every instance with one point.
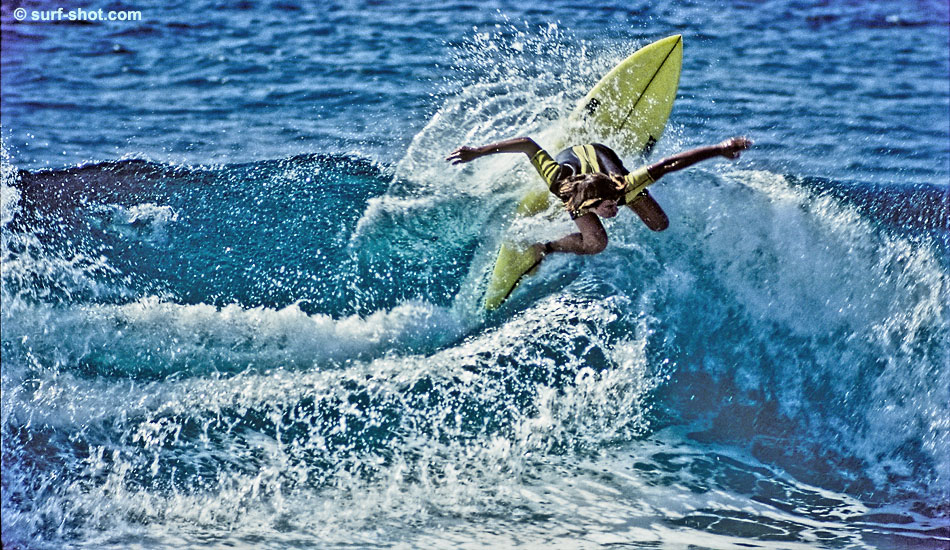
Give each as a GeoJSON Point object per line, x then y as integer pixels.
{"type": "Point", "coordinates": [437, 464]}
{"type": "Point", "coordinates": [152, 336]}
{"type": "Point", "coordinates": [9, 194]}
{"type": "Point", "coordinates": [835, 302]}
{"type": "Point", "coordinates": [148, 221]}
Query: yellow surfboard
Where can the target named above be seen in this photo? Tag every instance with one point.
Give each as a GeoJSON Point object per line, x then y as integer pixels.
{"type": "Point", "coordinates": [629, 108]}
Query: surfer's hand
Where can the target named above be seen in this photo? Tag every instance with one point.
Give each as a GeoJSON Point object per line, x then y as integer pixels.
{"type": "Point", "coordinates": [463, 154]}
{"type": "Point", "coordinates": [732, 147]}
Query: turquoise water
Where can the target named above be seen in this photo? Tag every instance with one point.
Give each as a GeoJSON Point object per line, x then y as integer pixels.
{"type": "Point", "coordinates": [241, 287]}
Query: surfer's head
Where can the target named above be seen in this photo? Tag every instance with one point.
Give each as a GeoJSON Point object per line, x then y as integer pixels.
{"type": "Point", "coordinates": [598, 193]}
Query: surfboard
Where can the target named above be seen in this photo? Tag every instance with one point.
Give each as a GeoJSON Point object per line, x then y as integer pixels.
{"type": "Point", "coordinates": [629, 108]}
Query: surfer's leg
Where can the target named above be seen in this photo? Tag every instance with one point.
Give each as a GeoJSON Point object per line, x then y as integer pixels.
{"type": "Point", "coordinates": [650, 211]}
{"type": "Point", "coordinates": [592, 238]}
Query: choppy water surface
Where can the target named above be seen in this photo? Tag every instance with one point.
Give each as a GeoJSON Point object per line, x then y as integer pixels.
{"type": "Point", "coordinates": [240, 286]}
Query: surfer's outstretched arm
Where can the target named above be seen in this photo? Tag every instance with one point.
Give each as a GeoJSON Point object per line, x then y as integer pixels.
{"type": "Point", "coordinates": [516, 145]}
{"type": "Point", "coordinates": [731, 148]}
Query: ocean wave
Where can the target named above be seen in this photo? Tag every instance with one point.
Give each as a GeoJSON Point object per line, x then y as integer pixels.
{"type": "Point", "coordinates": [293, 351]}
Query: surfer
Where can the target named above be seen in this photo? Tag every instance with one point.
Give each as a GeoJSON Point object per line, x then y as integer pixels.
{"type": "Point", "coordinates": [592, 183]}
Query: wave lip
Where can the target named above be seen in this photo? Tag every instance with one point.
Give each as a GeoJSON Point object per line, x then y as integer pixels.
{"type": "Point", "coordinates": [150, 338]}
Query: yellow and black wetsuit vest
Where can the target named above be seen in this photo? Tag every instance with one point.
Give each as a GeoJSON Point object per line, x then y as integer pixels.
{"type": "Point", "coordinates": [589, 159]}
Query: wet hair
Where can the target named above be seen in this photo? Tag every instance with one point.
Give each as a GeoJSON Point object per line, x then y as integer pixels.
{"type": "Point", "coordinates": [582, 192]}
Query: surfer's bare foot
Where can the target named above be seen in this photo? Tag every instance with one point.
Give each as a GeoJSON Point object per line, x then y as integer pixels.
{"type": "Point", "coordinates": [539, 250]}
{"type": "Point", "coordinates": [733, 147]}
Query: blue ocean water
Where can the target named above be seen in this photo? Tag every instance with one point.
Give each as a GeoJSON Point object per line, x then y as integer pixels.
{"type": "Point", "coordinates": [241, 287]}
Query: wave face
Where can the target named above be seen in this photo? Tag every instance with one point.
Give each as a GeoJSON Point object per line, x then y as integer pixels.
{"type": "Point", "coordinates": [299, 342]}
{"type": "Point", "coordinates": [292, 352]}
